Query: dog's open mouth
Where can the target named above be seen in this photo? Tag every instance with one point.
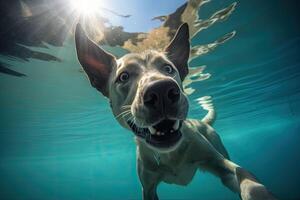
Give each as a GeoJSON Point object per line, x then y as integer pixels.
{"type": "Point", "coordinates": [163, 134]}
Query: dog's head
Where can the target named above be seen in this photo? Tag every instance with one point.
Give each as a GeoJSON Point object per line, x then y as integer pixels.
{"type": "Point", "coordinates": [145, 90]}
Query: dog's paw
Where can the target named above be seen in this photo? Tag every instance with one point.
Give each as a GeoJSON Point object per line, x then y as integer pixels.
{"type": "Point", "coordinates": [254, 191]}
{"type": "Point", "coordinates": [251, 189]}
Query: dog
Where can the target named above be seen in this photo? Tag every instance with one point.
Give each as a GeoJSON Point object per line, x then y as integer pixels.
{"type": "Point", "coordinates": [146, 97]}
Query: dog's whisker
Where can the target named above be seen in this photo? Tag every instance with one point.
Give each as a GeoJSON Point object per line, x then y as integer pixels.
{"type": "Point", "coordinates": [129, 120]}
{"type": "Point", "coordinates": [134, 120]}
{"type": "Point", "coordinates": [122, 113]}
{"type": "Point", "coordinates": [127, 106]}
{"type": "Point", "coordinates": [127, 114]}
{"type": "Point", "coordinates": [139, 128]}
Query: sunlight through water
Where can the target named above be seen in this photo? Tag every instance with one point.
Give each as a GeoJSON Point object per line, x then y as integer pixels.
{"type": "Point", "coordinates": [58, 137]}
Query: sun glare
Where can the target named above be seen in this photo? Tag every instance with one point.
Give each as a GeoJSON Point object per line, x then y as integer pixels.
{"type": "Point", "coordinates": [85, 6]}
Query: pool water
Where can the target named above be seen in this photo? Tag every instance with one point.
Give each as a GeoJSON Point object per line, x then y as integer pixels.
{"type": "Point", "coordinates": [59, 139]}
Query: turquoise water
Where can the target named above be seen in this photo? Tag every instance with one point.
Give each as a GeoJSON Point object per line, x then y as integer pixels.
{"type": "Point", "coordinates": [59, 140]}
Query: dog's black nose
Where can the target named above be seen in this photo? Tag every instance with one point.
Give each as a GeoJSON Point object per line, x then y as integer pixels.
{"type": "Point", "coordinates": [161, 94]}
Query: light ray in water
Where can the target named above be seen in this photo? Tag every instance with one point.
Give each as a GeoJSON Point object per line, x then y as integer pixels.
{"type": "Point", "coordinates": [157, 38]}
{"type": "Point", "coordinates": [200, 50]}
{"type": "Point", "coordinates": [26, 12]}
{"type": "Point", "coordinates": [195, 74]}
{"type": "Point", "coordinates": [216, 17]}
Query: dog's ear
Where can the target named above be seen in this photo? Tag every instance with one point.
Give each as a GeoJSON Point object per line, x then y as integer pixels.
{"type": "Point", "coordinates": [178, 50]}
{"type": "Point", "coordinates": [96, 62]}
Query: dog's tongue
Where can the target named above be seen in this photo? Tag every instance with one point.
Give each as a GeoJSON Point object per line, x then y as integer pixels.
{"type": "Point", "coordinates": [165, 125]}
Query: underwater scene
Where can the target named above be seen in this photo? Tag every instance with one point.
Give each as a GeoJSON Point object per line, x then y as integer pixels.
{"type": "Point", "coordinates": [59, 138]}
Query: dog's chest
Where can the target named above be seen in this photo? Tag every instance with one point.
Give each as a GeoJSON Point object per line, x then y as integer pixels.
{"type": "Point", "coordinates": [177, 171]}
{"type": "Point", "coordinates": [181, 175]}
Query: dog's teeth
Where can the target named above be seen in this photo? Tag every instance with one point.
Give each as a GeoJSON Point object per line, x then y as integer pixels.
{"type": "Point", "coordinates": [157, 133]}
{"type": "Point", "coordinates": [152, 130]}
{"type": "Point", "coordinates": [162, 133]}
{"type": "Point", "coordinates": [176, 125]}
{"type": "Point", "coordinates": [171, 130]}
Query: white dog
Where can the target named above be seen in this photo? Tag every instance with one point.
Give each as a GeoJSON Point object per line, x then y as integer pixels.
{"type": "Point", "coordinates": [146, 96]}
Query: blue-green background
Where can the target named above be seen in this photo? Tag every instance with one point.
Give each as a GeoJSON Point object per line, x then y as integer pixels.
{"type": "Point", "coordinates": [59, 140]}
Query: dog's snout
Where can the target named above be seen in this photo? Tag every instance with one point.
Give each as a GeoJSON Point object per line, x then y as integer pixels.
{"type": "Point", "coordinates": [151, 99]}
{"type": "Point", "coordinates": [173, 94]}
{"type": "Point", "coordinates": [161, 93]}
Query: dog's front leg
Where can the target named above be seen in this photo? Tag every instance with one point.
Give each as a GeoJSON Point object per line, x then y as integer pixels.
{"type": "Point", "coordinates": [239, 180]}
{"type": "Point", "coordinates": [149, 181]}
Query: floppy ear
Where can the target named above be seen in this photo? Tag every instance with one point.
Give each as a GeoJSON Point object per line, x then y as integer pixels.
{"type": "Point", "coordinates": [178, 50]}
{"type": "Point", "coordinates": [96, 62]}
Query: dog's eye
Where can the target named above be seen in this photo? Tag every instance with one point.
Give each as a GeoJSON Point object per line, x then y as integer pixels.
{"type": "Point", "coordinates": [168, 68]}
{"type": "Point", "coordinates": [124, 76]}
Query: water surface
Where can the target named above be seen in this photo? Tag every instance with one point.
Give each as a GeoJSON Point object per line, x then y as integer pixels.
{"type": "Point", "coordinates": [59, 140]}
